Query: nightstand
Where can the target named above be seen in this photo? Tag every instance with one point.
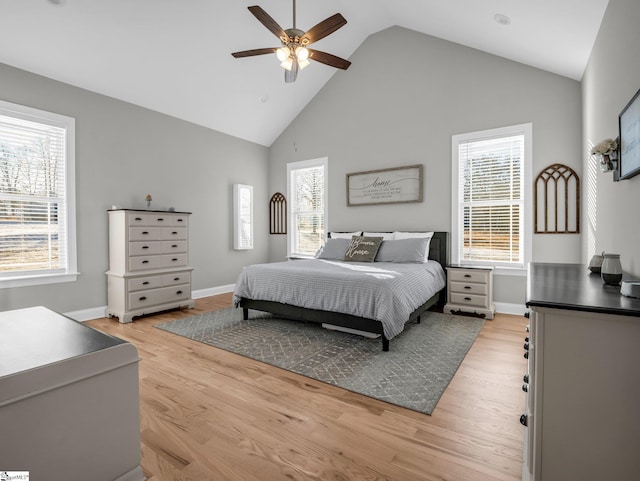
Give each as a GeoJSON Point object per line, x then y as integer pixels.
{"type": "Point", "coordinates": [470, 289]}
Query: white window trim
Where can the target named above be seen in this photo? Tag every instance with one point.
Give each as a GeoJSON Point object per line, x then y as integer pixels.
{"type": "Point", "coordinates": [527, 218]}
{"type": "Point", "coordinates": [69, 124]}
{"type": "Point", "coordinates": [304, 164]}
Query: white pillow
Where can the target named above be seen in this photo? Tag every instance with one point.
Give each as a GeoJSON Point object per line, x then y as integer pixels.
{"type": "Point", "coordinates": [343, 235]}
{"type": "Point", "coordinates": [385, 235]}
{"type": "Point", "coordinates": [413, 235]}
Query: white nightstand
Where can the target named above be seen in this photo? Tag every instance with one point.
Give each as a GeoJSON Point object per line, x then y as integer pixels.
{"type": "Point", "coordinates": [470, 289]}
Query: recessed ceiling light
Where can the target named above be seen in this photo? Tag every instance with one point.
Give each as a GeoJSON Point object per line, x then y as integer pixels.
{"type": "Point", "coordinates": [502, 19]}
{"type": "Point", "coordinates": [56, 3]}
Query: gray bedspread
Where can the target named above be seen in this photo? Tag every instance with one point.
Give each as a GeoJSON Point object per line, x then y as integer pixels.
{"type": "Point", "coordinates": [385, 291]}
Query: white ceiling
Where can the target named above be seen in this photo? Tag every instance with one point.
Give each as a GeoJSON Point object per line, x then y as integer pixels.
{"type": "Point", "coordinates": [174, 56]}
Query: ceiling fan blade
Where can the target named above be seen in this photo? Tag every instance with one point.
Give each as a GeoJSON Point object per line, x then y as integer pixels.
{"type": "Point", "coordinates": [265, 19]}
{"type": "Point", "coordinates": [324, 28]}
{"type": "Point", "coordinates": [328, 59]}
{"type": "Point", "coordinates": [291, 75]}
{"type": "Point", "coordinates": [255, 51]}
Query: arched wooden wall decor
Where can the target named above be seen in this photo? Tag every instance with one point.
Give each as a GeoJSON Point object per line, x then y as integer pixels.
{"type": "Point", "coordinates": [278, 214]}
{"type": "Point", "coordinates": [557, 201]}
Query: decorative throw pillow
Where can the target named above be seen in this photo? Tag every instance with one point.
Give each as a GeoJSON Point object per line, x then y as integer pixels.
{"type": "Point", "coordinates": [334, 249]}
{"type": "Point", "coordinates": [403, 250]}
{"type": "Point", "coordinates": [362, 249]}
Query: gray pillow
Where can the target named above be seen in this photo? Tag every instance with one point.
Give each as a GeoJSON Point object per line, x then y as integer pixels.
{"type": "Point", "coordinates": [362, 249]}
{"type": "Point", "coordinates": [334, 249]}
{"type": "Point", "coordinates": [403, 250]}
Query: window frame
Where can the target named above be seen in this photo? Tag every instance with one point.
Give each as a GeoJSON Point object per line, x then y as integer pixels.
{"type": "Point", "coordinates": [291, 232]}
{"type": "Point", "coordinates": [526, 220]}
{"type": "Point", "coordinates": [70, 273]}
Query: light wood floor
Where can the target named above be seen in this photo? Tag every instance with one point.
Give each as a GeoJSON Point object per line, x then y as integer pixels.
{"type": "Point", "coordinates": [207, 414]}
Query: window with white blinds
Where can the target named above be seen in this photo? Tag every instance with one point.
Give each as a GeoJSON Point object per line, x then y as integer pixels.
{"type": "Point", "coordinates": [37, 212]}
{"type": "Point", "coordinates": [489, 194]}
{"type": "Point", "coordinates": [307, 192]}
{"type": "Point", "coordinates": [243, 216]}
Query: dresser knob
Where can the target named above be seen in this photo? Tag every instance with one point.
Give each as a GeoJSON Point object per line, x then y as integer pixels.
{"type": "Point", "coordinates": [179, 220]}
{"type": "Point", "coordinates": [174, 259]}
{"type": "Point", "coordinates": [467, 287]}
{"type": "Point", "coordinates": [176, 278]}
{"type": "Point", "coordinates": [174, 233]}
{"type": "Point", "coordinates": [467, 298]}
{"type": "Point", "coordinates": [178, 292]}
{"type": "Point", "coordinates": [174, 246]}
{"type": "Point", "coordinates": [138, 219]}
{"type": "Point", "coordinates": [145, 283]}
{"type": "Point", "coordinates": [526, 339]}
{"type": "Point", "coordinates": [160, 219]}
{"type": "Point", "coordinates": [526, 346]}
{"type": "Point", "coordinates": [145, 262]}
{"type": "Point", "coordinates": [467, 275]}
{"type": "Point", "coordinates": [526, 314]}
{"type": "Point", "coordinates": [525, 387]}
{"type": "Point", "coordinates": [525, 378]}
{"type": "Point", "coordinates": [145, 232]}
{"type": "Point", "coordinates": [143, 298]}
{"type": "Point", "coordinates": [526, 355]}
{"type": "Point", "coordinates": [524, 420]}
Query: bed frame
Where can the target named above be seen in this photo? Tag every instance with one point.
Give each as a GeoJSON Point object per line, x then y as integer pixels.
{"type": "Point", "coordinates": [438, 250]}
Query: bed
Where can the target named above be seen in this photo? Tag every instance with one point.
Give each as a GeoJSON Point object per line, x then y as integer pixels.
{"type": "Point", "coordinates": [378, 298]}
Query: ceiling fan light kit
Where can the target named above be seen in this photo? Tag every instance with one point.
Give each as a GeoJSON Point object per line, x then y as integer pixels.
{"type": "Point", "coordinates": [294, 55]}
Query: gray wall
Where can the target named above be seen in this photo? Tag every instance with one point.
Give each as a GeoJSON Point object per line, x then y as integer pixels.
{"type": "Point", "coordinates": [399, 103]}
{"type": "Point", "coordinates": [611, 79]}
{"type": "Point", "coordinates": [124, 152]}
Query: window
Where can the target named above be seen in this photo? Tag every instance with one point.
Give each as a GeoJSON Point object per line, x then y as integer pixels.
{"type": "Point", "coordinates": [37, 197]}
{"type": "Point", "coordinates": [307, 192]}
{"type": "Point", "coordinates": [242, 217]}
{"type": "Point", "coordinates": [491, 197]}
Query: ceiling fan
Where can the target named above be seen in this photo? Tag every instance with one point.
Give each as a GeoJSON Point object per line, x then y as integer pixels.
{"type": "Point", "coordinates": [294, 54]}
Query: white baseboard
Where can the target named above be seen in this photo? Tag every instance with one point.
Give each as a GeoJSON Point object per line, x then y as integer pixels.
{"type": "Point", "coordinates": [98, 312]}
{"type": "Point", "coordinates": [212, 291]}
{"type": "Point", "coordinates": [507, 308]}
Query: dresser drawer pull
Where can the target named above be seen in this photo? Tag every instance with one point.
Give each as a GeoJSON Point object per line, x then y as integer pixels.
{"type": "Point", "coordinates": [176, 279]}
{"type": "Point", "coordinates": [467, 275]}
{"type": "Point", "coordinates": [143, 298]}
{"type": "Point", "coordinates": [145, 233]}
{"type": "Point", "coordinates": [145, 247]}
{"type": "Point", "coordinates": [174, 259]}
{"type": "Point", "coordinates": [524, 420]}
{"type": "Point", "coordinates": [467, 298]}
{"type": "Point", "coordinates": [525, 387]}
{"type": "Point", "coordinates": [178, 292]}
{"type": "Point", "coordinates": [138, 219]}
{"type": "Point", "coordinates": [145, 283]}
{"type": "Point", "coordinates": [174, 233]}
{"type": "Point", "coordinates": [145, 262]}
{"type": "Point", "coordinates": [160, 219]}
{"type": "Point", "coordinates": [180, 220]}
{"type": "Point", "coordinates": [467, 287]}
{"type": "Point", "coordinates": [174, 246]}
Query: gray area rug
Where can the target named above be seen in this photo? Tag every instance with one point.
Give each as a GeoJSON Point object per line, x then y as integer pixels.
{"type": "Point", "coordinates": [413, 373]}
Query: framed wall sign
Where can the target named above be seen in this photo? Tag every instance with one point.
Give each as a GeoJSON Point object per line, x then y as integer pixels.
{"type": "Point", "coordinates": [629, 125]}
{"type": "Point", "coordinates": [385, 186]}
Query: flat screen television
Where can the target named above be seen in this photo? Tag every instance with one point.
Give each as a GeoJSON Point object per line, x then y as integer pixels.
{"type": "Point", "coordinates": [629, 128]}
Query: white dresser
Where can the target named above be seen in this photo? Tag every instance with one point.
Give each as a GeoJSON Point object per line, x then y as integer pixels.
{"type": "Point", "coordinates": [148, 263]}
{"type": "Point", "coordinates": [582, 384]}
{"type": "Point", "coordinates": [470, 289]}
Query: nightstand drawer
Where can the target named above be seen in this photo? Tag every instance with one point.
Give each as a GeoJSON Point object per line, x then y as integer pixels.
{"type": "Point", "coordinates": [469, 300]}
{"type": "Point", "coordinates": [469, 288]}
{"type": "Point", "coordinates": [469, 275]}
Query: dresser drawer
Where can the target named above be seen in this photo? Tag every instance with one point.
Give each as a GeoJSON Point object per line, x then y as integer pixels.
{"type": "Point", "coordinates": [469, 288]}
{"type": "Point", "coordinates": [141, 283]}
{"type": "Point", "coordinates": [180, 220]}
{"type": "Point", "coordinates": [140, 233]}
{"type": "Point", "coordinates": [469, 299]}
{"type": "Point", "coordinates": [142, 248]}
{"type": "Point", "coordinates": [469, 275]}
{"type": "Point", "coordinates": [154, 219]}
{"type": "Point", "coordinates": [162, 295]}
{"type": "Point", "coordinates": [139, 263]}
{"type": "Point", "coordinates": [176, 278]}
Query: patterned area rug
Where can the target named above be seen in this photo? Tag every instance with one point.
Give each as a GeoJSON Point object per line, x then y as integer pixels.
{"type": "Point", "coordinates": [414, 373]}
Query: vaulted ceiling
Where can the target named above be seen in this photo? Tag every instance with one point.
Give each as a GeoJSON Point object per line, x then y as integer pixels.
{"type": "Point", "coordinates": [175, 56]}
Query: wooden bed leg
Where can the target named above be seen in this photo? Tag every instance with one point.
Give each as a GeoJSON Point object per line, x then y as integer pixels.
{"type": "Point", "coordinates": [385, 343]}
{"type": "Point", "coordinates": [245, 313]}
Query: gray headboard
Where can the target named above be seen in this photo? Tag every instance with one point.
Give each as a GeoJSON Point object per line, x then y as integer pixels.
{"type": "Point", "coordinates": [439, 248]}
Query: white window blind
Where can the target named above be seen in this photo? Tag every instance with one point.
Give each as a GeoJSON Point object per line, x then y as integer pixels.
{"type": "Point", "coordinates": [307, 194]}
{"type": "Point", "coordinates": [36, 238]}
{"type": "Point", "coordinates": [490, 198]}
